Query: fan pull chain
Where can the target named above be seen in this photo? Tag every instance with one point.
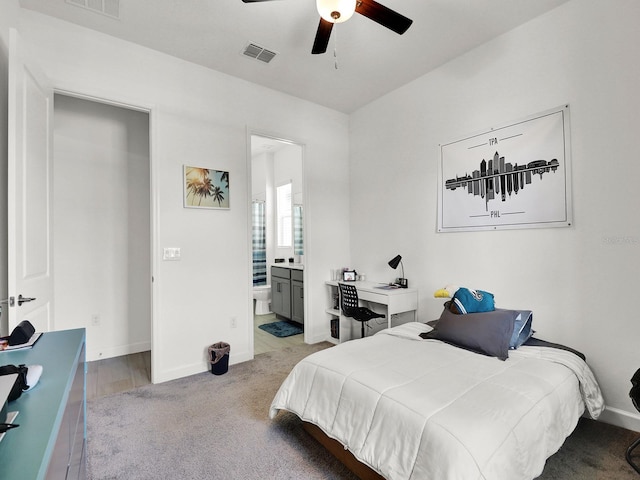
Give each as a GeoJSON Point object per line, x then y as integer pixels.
{"type": "Point", "coordinates": [335, 50]}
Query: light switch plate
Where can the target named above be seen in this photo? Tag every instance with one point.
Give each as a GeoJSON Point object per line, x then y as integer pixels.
{"type": "Point", "coordinates": [171, 254]}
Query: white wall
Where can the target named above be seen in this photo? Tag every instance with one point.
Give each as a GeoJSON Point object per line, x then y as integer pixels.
{"type": "Point", "coordinates": [8, 18]}
{"type": "Point", "coordinates": [579, 280]}
{"type": "Point", "coordinates": [101, 211]}
{"type": "Point", "coordinates": [201, 116]}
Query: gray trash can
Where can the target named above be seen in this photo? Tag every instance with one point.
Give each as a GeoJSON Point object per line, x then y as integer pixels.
{"type": "Point", "coordinates": [219, 357]}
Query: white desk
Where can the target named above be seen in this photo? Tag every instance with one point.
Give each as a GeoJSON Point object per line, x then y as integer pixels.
{"type": "Point", "coordinates": [394, 302]}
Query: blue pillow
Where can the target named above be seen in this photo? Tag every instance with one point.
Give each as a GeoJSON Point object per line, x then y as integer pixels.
{"type": "Point", "coordinates": [473, 301]}
{"type": "Point", "coordinates": [521, 328]}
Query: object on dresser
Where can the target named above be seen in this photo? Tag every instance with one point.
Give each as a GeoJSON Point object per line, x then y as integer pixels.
{"type": "Point", "coordinates": [22, 333]}
{"type": "Point", "coordinates": [23, 336]}
{"type": "Point", "coordinates": [6, 385]}
{"type": "Point", "coordinates": [7, 426]}
{"type": "Point", "coordinates": [279, 260]}
{"type": "Point", "coordinates": [27, 378]}
{"type": "Point", "coordinates": [20, 382]}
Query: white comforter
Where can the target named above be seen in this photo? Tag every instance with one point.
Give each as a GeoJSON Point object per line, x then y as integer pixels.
{"type": "Point", "coordinates": [421, 409]}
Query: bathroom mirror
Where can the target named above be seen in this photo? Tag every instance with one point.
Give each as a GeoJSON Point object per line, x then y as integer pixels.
{"type": "Point", "coordinates": [274, 162]}
{"type": "Point", "coordinates": [277, 239]}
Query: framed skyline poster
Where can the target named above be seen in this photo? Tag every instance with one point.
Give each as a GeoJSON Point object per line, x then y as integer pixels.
{"type": "Point", "coordinates": [513, 176]}
{"type": "Point", "coordinates": [205, 188]}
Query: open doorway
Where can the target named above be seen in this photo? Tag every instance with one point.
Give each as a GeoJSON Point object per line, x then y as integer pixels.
{"type": "Point", "coordinates": [102, 226]}
{"type": "Point", "coordinates": [277, 242]}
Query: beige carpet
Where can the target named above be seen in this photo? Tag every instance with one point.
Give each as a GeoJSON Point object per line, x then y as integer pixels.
{"type": "Point", "coordinates": [217, 427]}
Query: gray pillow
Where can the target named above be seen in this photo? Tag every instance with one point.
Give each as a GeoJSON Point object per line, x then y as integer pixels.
{"type": "Point", "coordinates": [488, 333]}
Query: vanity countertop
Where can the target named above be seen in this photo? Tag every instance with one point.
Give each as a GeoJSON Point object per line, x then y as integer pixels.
{"type": "Point", "coordinates": [293, 266]}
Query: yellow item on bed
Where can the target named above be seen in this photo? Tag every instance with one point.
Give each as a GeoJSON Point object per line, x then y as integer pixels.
{"type": "Point", "coordinates": [446, 292]}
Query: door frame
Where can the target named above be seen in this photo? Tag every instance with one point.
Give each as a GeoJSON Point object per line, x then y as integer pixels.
{"type": "Point", "coordinates": [290, 140]}
{"type": "Point", "coordinates": [154, 200]}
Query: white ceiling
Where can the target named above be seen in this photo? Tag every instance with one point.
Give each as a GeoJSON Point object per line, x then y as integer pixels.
{"type": "Point", "coordinates": [372, 60]}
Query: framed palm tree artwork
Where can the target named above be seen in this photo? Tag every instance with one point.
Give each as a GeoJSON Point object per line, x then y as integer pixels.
{"type": "Point", "coordinates": [205, 188]}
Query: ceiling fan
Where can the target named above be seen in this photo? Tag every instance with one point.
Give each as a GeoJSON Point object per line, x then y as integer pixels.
{"type": "Point", "coordinates": [338, 11]}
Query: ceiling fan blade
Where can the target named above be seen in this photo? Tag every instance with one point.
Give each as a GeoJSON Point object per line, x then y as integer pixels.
{"type": "Point", "coordinates": [383, 15]}
{"type": "Point", "coordinates": [322, 37]}
{"type": "Point", "coordinates": [253, 1]}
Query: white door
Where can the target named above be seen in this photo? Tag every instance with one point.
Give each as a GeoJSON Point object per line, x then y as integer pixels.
{"type": "Point", "coordinates": [29, 192]}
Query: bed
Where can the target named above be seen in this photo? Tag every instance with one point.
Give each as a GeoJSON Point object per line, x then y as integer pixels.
{"type": "Point", "coordinates": [414, 408]}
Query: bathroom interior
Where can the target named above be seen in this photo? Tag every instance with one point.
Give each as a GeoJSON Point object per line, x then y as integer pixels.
{"type": "Point", "coordinates": [277, 213]}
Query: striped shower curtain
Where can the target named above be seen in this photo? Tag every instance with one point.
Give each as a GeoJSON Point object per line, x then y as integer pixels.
{"type": "Point", "coordinates": [298, 248]}
{"type": "Point", "coordinates": [259, 244]}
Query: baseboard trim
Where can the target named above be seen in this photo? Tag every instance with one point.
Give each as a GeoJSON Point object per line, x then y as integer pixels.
{"type": "Point", "coordinates": [194, 369]}
{"type": "Point", "coordinates": [118, 351]}
{"type": "Point", "coordinates": [621, 418]}
{"type": "Point", "coordinates": [176, 373]}
{"type": "Point", "coordinates": [319, 338]}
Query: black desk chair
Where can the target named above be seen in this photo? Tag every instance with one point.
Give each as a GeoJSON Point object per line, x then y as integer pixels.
{"type": "Point", "coordinates": [635, 398]}
{"type": "Point", "coordinates": [350, 307]}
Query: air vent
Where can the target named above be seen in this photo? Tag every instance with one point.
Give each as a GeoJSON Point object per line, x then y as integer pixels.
{"type": "Point", "coordinates": [259, 53]}
{"type": "Point", "coordinates": [110, 8]}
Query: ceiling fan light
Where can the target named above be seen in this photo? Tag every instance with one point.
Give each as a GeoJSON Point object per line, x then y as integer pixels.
{"type": "Point", "coordinates": [336, 11]}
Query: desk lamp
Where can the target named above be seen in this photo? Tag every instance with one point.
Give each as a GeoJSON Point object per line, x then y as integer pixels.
{"type": "Point", "coordinates": [393, 263]}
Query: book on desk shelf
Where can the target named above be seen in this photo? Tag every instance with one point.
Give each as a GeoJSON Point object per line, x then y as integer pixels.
{"type": "Point", "coordinates": [387, 286]}
{"type": "Point", "coordinates": [335, 328]}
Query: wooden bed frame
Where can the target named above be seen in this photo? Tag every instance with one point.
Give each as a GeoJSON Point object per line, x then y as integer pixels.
{"type": "Point", "coordinates": [364, 472]}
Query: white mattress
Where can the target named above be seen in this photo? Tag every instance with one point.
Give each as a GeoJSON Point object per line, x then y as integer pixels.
{"type": "Point", "coordinates": [417, 409]}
